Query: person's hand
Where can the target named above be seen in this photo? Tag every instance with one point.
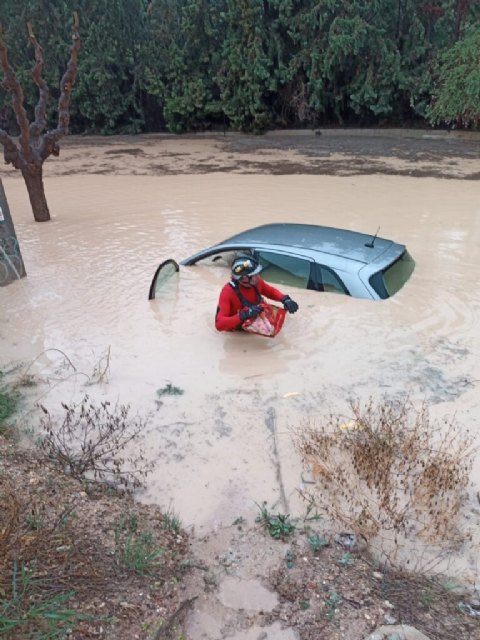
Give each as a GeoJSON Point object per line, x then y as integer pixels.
{"type": "Point", "coordinates": [290, 305]}
{"type": "Point", "coordinates": [251, 313]}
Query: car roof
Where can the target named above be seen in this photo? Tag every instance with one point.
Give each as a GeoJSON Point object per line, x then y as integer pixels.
{"type": "Point", "coordinates": [347, 244]}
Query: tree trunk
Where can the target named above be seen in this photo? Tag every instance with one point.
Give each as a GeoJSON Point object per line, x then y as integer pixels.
{"type": "Point", "coordinates": [36, 193]}
{"type": "Point", "coordinates": [11, 262]}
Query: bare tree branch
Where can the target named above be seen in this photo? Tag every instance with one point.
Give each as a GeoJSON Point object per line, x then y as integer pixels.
{"type": "Point", "coordinates": [34, 145]}
{"type": "Point", "coordinates": [40, 122]}
{"type": "Point", "coordinates": [10, 150]}
{"type": "Point", "coordinates": [11, 84]}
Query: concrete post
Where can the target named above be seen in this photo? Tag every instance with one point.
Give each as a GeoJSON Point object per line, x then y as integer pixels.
{"type": "Point", "coordinates": [11, 262]}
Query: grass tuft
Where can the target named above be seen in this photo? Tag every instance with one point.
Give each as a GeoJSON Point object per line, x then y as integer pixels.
{"type": "Point", "coordinates": [27, 613]}
{"type": "Point", "coordinates": [171, 522]}
{"type": "Point", "coordinates": [136, 550]}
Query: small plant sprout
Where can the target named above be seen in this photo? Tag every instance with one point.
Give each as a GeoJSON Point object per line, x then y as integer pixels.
{"type": "Point", "coordinates": [332, 603]}
{"type": "Point", "coordinates": [239, 522]}
{"type": "Point", "coordinates": [290, 559]}
{"type": "Point", "coordinates": [316, 542]}
{"type": "Point", "coordinates": [451, 585]}
{"type": "Point", "coordinates": [278, 526]}
{"type": "Point", "coordinates": [28, 380]}
{"type": "Point", "coordinates": [169, 390]}
{"type": "Point", "coordinates": [427, 597]}
{"type": "Point", "coordinates": [346, 559]}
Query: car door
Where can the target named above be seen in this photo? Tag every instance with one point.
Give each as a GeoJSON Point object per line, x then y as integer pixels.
{"type": "Point", "coordinates": [165, 276]}
{"type": "Point", "coordinates": [328, 280]}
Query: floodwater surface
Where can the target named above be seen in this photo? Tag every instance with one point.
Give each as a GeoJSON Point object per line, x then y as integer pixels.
{"type": "Point", "coordinates": [224, 445]}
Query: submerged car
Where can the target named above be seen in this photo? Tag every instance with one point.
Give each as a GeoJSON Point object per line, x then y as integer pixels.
{"type": "Point", "coordinates": [312, 257]}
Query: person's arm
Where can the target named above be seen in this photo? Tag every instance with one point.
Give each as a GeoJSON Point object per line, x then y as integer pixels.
{"type": "Point", "coordinates": [227, 317]}
{"type": "Point", "coordinates": [267, 290]}
{"type": "Point", "coordinates": [274, 294]}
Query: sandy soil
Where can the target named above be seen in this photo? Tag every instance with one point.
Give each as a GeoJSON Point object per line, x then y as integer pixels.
{"type": "Point", "coordinates": [329, 152]}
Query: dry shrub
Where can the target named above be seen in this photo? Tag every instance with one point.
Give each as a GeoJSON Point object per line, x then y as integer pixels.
{"type": "Point", "coordinates": [390, 469]}
{"type": "Point", "coordinates": [91, 441]}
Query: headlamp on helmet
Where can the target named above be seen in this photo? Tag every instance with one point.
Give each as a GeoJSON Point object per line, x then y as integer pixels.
{"type": "Point", "coordinates": [245, 266]}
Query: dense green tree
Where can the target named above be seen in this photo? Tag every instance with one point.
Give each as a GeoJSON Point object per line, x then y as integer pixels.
{"type": "Point", "coordinates": [456, 97]}
{"type": "Point", "coordinates": [106, 96]}
{"type": "Point", "coordinates": [180, 54]}
{"type": "Point", "coordinates": [245, 71]}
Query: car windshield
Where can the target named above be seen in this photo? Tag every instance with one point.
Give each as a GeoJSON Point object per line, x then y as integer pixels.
{"type": "Point", "coordinates": [387, 282]}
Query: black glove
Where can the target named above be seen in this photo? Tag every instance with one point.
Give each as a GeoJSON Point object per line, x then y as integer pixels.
{"type": "Point", "coordinates": [250, 313]}
{"type": "Point", "coordinates": [290, 305]}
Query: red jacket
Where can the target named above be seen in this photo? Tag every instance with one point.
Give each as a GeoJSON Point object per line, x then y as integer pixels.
{"type": "Point", "coordinates": [229, 304]}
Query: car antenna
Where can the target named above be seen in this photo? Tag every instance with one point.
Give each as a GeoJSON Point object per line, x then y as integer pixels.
{"type": "Point", "coordinates": [370, 244]}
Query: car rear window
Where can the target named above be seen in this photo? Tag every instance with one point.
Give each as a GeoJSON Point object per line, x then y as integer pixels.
{"type": "Point", "coordinates": [390, 280]}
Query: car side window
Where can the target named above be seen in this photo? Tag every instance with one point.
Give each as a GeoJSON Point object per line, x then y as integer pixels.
{"type": "Point", "coordinates": [329, 281]}
{"type": "Point", "coordinates": [282, 269]}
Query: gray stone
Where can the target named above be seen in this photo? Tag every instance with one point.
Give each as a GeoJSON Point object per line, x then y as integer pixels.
{"type": "Point", "coordinates": [389, 619]}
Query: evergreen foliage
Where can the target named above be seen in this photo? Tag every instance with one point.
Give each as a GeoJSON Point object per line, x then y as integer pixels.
{"type": "Point", "coordinates": [251, 65]}
{"type": "Point", "coordinates": [457, 95]}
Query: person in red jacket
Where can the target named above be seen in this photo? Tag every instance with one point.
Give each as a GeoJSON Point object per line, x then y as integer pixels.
{"type": "Point", "coordinates": [240, 298]}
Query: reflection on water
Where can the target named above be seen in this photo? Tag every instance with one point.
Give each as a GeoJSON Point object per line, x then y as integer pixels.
{"type": "Point", "coordinates": [89, 273]}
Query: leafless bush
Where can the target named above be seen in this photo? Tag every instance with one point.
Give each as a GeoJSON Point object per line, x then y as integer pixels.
{"type": "Point", "coordinates": [90, 441]}
{"type": "Point", "coordinates": [389, 469]}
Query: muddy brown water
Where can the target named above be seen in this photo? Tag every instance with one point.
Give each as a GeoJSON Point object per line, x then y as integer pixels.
{"type": "Point", "coordinates": [224, 445]}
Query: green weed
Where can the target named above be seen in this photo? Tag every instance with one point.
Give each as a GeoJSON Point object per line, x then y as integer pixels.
{"type": "Point", "coordinates": [290, 559]}
{"type": "Point", "coordinates": [33, 521]}
{"type": "Point", "coordinates": [333, 602]}
{"type": "Point", "coordinates": [346, 559]}
{"type": "Point", "coordinates": [27, 380]}
{"type": "Point", "coordinates": [278, 526]}
{"type": "Point", "coordinates": [239, 522]}
{"type": "Point", "coordinates": [169, 390]}
{"type": "Point", "coordinates": [8, 405]}
{"type": "Point", "coordinates": [451, 585]}
{"type": "Point", "coordinates": [211, 581]}
{"type": "Point", "coordinates": [127, 522]}
{"type": "Point", "coordinates": [427, 597]}
{"type": "Point", "coordinates": [317, 543]}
